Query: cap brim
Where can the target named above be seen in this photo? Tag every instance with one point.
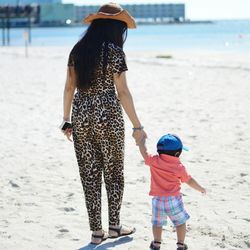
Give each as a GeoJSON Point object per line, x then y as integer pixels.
{"type": "Point", "coordinates": [185, 148]}
{"type": "Point", "coordinates": [121, 16]}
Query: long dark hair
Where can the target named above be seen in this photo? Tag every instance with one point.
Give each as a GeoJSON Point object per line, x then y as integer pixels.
{"type": "Point", "coordinates": [86, 53]}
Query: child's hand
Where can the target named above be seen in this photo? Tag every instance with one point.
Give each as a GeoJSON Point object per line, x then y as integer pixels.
{"type": "Point", "coordinates": [139, 136]}
{"type": "Point", "coordinates": [194, 184]}
{"type": "Point", "coordinates": [203, 191]}
{"type": "Point", "coordinates": [142, 141]}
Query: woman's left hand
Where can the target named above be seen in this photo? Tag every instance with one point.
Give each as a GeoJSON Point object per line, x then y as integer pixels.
{"type": "Point", "coordinates": [68, 133]}
{"type": "Point", "coordinates": [139, 135]}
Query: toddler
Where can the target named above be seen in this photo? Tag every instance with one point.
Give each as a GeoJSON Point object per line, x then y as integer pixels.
{"type": "Point", "coordinates": [167, 174]}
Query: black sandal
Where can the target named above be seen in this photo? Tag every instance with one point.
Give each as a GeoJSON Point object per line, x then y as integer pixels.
{"type": "Point", "coordinates": [153, 247]}
{"type": "Point", "coordinates": [119, 232]}
{"type": "Point", "coordinates": [99, 237]}
{"type": "Point", "coordinates": [181, 246]}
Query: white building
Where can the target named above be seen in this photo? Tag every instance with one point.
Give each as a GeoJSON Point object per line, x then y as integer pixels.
{"type": "Point", "coordinates": [144, 12]}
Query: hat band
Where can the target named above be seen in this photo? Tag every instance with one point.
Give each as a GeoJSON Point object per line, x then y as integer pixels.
{"type": "Point", "coordinates": [109, 14]}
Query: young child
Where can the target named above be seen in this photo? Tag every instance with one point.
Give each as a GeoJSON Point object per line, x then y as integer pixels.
{"type": "Point", "coordinates": [167, 173]}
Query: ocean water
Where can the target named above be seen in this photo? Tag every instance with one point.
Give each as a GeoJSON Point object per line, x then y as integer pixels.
{"type": "Point", "coordinates": [233, 35]}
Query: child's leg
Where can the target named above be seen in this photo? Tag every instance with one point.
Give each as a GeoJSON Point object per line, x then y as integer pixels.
{"type": "Point", "coordinates": [157, 231]}
{"type": "Point", "coordinates": [181, 233]}
{"type": "Point", "coordinates": [159, 219]}
{"type": "Point", "coordinates": [178, 216]}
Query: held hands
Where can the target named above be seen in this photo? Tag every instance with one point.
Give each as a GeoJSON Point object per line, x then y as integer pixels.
{"type": "Point", "coordinates": [139, 136]}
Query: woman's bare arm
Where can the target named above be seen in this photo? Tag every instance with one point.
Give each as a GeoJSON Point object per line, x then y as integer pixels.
{"type": "Point", "coordinates": [68, 94]}
{"type": "Point", "coordinates": [69, 91]}
{"type": "Point", "coordinates": [127, 103]}
{"type": "Point", "coordinates": [125, 98]}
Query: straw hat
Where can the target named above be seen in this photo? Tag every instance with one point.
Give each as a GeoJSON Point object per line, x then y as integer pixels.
{"type": "Point", "coordinates": [112, 11]}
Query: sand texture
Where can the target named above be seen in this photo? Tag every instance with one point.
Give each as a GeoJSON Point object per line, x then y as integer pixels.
{"type": "Point", "coordinates": [202, 96]}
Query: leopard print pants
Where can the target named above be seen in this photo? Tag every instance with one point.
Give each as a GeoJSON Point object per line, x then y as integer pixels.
{"type": "Point", "coordinates": [98, 135]}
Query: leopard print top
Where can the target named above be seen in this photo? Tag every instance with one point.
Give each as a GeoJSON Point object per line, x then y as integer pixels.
{"type": "Point", "coordinates": [104, 80]}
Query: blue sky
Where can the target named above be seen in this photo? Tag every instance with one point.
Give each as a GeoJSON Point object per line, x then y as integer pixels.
{"type": "Point", "coordinates": [195, 9]}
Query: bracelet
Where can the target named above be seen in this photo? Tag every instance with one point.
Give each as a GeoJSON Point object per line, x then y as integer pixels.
{"type": "Point", "coordinates": [139, 128]}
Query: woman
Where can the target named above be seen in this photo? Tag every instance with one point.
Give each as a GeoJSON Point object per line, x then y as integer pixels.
{"type": "Point", "coordinates": [96, 68]}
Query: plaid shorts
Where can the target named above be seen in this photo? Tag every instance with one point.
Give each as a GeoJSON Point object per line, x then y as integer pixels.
{"type": "Point", "coordinates": [168, 206]}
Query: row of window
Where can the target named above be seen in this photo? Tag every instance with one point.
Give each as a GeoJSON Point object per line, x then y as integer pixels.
{"type": "Point", "coordinates": [141, 11]}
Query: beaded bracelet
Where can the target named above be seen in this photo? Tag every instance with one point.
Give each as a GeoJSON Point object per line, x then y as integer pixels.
{"type": "Point", "coordinates": [139, 128]}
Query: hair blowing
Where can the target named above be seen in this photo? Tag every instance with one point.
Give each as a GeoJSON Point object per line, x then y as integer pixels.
{"type": "Point", "coordinates": [86, 53]}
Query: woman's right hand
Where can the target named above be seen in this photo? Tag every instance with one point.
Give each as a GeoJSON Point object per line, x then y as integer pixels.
{"type": "Point", "coordinates": [68, 133]}
{"type": "Point", "coordinates": [139, 136]}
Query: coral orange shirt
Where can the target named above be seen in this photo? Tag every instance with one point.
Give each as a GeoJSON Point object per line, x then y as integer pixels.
{"type": "Point", "coordinates": [167, 173]}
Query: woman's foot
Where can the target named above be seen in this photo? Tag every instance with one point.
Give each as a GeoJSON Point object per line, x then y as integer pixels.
{"type": "Point", "coordinates": [181, 246]}
{"type": "Point", "coordinates": [155, 245]}
{"type": "Point", "coordinates": [119, 231]}
{"type": "Point", "coordinates": [98, 237]}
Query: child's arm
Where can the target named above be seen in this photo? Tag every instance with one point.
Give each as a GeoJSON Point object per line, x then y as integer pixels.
{"type": "Point", "coordinates": [143, 148]}
{"type": "Point", "coordinates": [195, 185]}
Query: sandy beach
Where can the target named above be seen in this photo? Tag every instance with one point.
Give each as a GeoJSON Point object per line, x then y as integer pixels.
{"type": "Point", "coordinates": [202, 96]}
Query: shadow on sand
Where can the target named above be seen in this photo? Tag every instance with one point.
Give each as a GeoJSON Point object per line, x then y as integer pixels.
{"type": "Point", "coordinates": [107, 245]}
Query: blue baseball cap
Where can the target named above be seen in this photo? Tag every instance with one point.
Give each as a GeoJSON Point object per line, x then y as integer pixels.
{"type": "Point", "coordinates": [170, 142]}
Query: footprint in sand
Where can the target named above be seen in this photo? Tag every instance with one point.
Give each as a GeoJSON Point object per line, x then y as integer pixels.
{"type": "Point", "coordinates": [127, 203]}
{"type": "Point", "coordinates": [4, 234]}
{"type": "Point", "coordinates": [246, 219]}
{"type": "Point", "coordinates": [13, 184]}
{"type": "Point", "coordinates": [247, 243]}
{"type": "Point", "coordinates": [142, 179]}
{"type": "Point", "coordinates": [30, 204]}
{"type": "Point", "coordinates": [30, 221]}
{"type": "Point", "coordinates": [63, 230]}
{"type": "Point", "coordinates": [6, 222]}
{"type": "Point", "coordinates": [70, 195]}
{"type": "Point", "coordinates": [62, 233]}
{"type": "Point", "coordinates": [243, 174]}
{"type": "Point", "coordinates": [66, 209]}
{"type": "Point", "coordinates": [241, 181]}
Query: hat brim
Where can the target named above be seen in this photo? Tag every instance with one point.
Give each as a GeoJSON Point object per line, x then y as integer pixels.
{"type": "Point", "coordinates": [121, 16]}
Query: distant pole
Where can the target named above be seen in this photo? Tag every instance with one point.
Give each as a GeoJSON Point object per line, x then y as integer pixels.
{"type": "Point", "coordinates": [29, 28]}
{"type": "Point", "coordinates": [8, 30]}
{"type": "Point", "coordinates": [8, 24]}
{"type": "Point", "coordinates": [3, 32]}
{"type": "Point", "coordinates": [26, 39]}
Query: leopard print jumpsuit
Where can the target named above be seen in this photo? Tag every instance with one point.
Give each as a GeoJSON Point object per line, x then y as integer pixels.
{"type": "Point", "coordinates": [98, 135]}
